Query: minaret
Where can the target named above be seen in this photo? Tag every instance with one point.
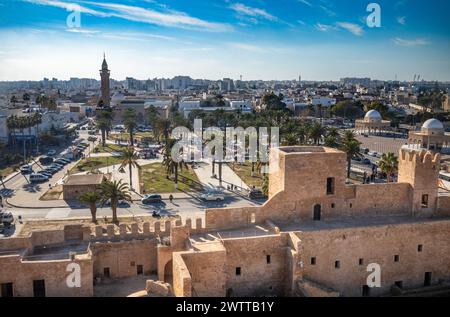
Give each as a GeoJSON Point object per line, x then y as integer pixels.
{"type": "Point", "coordinates": [104, 74]}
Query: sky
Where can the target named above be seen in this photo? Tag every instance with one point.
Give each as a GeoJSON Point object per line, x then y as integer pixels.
{"type": "Point", "coordinates": [258, 39]}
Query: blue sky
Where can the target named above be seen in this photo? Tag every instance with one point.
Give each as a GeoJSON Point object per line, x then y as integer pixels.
{"type": "Point", "coordinates": [258, 39]}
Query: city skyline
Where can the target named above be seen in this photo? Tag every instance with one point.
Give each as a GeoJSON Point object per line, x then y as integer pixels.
{"type": "Point", "coordinates": [319, 40]}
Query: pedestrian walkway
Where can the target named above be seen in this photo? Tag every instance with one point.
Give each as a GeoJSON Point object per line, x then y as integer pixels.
{"type": "Point", "coordinates": [204, 171]}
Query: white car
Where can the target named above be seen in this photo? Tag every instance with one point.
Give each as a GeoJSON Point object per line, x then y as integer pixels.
{"type": "Point", "coordinates": [51, 153]}
{"type": "Point", "coordinates": [213, 197]}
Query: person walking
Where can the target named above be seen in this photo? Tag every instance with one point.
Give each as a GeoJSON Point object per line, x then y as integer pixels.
{"type": "Point", "coordinates": [171, 198]}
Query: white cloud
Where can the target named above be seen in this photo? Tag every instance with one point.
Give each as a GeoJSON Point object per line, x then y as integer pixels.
{"type": "Point", "coordinates": [409, 43]}
{"type": "Point", "coordinates": [137, 14]}
{"type": "Point", "coordinates": [252, 12]}
{"type": "Point", "coordinates": [323, 27]}
{"type": "Point", "coordinates": [401, 20]}
{"type": "Point", "coordinates": [248, 47]}
{"type": "Point", "coordinates": [69, 6]}
{"type": "Point", "coordinates": [351, 27]}
{"type": "Point", "coordinates": [328, 11]}
{"type": "Point", "coordinates": [306, 2]}
{"type": "Point", "coordinates": [82, 31]}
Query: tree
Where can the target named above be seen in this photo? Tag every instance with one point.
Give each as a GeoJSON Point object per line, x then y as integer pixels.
{"type": "Point", "coordinates": [163, 128]}
{"type": "Point", "coordinates": [388, 164]}
{"type": "Point", "coordinates": [315, 132]}
{"type": "Point", "coordinates": [130, 123]}
{"type": "Point", "coordinates": [153, 116]}
{"type": "Point", "coordinates": [129, 157]}
{"type": "Point", "coordinates": [12, 124]}
{"type": "Point", "coordinates": [265, 185]}
{"type": "Point", "coordinates": [172, 166]}
{"type": "Point", "coordinates": [104, 122]}
{"type": "Point", "coordinates": [114, 191]}
{"type": "Point", "coordinates": [348, 109]}
{"type": "Point", "coordinates": [351, 147]}
{"type": "Point", "coordinates": [13, 100]}
{"type": "Point", "coordinates": [91, 199]}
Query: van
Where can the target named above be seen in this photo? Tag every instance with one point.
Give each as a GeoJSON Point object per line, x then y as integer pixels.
{"type": "Point", "coordinates": [38, 178]}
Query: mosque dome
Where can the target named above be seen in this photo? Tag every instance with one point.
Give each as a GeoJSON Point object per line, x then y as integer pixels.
{"type": "Point", "coordinates": [433, 126]}
{"type": "Point", "coordinates": [373, 116]}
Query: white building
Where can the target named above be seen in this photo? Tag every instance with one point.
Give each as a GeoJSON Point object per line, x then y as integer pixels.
{"type": "Point", "coordinates": [323, 101]}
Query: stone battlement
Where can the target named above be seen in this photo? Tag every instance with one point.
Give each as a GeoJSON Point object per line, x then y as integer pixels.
{"type": "Point", "coordinates": [418, 156]}
{"type": "Point", "coordinates": [144, 230]}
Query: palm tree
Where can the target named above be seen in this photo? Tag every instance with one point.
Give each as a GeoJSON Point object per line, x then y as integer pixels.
{"type": "Point", "coordinates": [316, 131]}
{"type": "Point", "coordinates": [130, 123]}
{"type": "Point", "coordinates": [13, 100]}
{"type": "Point", "coordinates": [351, 147]}
{"type": "Point", "coordinates": [37, 119]}
{"type": "Point", "coordinates": [12, 124]}
{"type": "Point", "coordinates": [331, 141]}
{"type": "Point", "coordinates": [163, 128]}
{"type": "Point", "coordinates": [129, 157]}
{"type": "Point", "coordinates": [170, 164]}
{"type": "Point", "coordinates": [265, 185]}
{"type": "Point", "coordinates": [388, 164]}
{"type": "Point", "coordinates": [114, 191]}
{"type": "Point", "coordinates": [104, 122]}
{"type": "Point", "coordinates": [91, 199]}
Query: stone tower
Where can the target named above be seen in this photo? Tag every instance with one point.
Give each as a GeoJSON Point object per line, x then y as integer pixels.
{"type": "Point", "coordinates": [104, 74]}
{"type": "Point", "coordinates": [420, 168]}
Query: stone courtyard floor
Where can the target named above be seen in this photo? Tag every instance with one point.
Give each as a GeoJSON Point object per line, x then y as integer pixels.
{"type": "Point", "coordinates": [122, 287]}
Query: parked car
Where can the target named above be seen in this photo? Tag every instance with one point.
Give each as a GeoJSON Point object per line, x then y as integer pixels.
{"type": "Point", "coordinates": [51, 153]}
{"type": "Point", "coordinates": [366, 161]}
{"type": "Point", "coordinates": [213, 197]}
{"type": "Point", "coordinates": [45, 173]}
{"type": "Point", "coordinates": [151, 198]}
{"type": "Point", "coordinates": [51, 170]}
{"type": "Point", "coordinates": [55, 167]}
{"type": "Point", "coordinates": [46, 160]}
{"type": "Point", "coordinates": [92, 139]}
{"type": "Point", "coordinates": [65, 160]}
{"type": "Point", "coordinates": [38, 178]}
{"type": "Point", "coordinates": [6, 217]}
{"type": "Point", "coordinates": [26, 169]}
{"type": "Point", "coordinates": [357, 158]}
{"type": "Point", "coordinates": [256, 194]}
{"type": "Point", "coordinates": [60, 162]}
{"type": "Point", "coordinates": [121, 203]}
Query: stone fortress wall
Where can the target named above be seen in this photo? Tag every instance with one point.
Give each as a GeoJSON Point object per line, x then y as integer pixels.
{"type": "Point", "coordinates": [315, 236]}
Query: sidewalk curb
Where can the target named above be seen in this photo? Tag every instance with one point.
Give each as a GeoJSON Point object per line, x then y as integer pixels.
{"type": "Point", "coordinates": [70, 207]}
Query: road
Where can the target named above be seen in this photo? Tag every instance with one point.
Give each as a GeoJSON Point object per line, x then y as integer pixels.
{"type": "Point", "coordinates": [190, 207]}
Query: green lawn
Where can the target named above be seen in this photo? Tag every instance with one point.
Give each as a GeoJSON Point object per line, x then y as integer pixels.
{"type": "Point", "coordinates": [125, 136]}
{"type": "Point", "coordinates": [88, 164]}
{"type": "Point", "coordinates": [8, 170]}
{"type": "Point", "coordinates": [155, 181]}
{"type": "Point", "coordinates": [108, 148]}
{"type": "Point", "coordinates": [245, 173]}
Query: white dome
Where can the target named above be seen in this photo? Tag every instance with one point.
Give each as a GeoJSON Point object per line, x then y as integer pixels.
{"type": "Point", "coordinates": [373, 115]}
{"type": "Point", "coordinates": [433, 124]}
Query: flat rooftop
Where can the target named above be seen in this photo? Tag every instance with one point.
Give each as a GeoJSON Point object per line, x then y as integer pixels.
{"type": "Point", "coordinates": [60, 252]}
{"type": "Point", "coordinates": [307, 149]}
{"type": "Point", "coordinates": [91, 179]}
